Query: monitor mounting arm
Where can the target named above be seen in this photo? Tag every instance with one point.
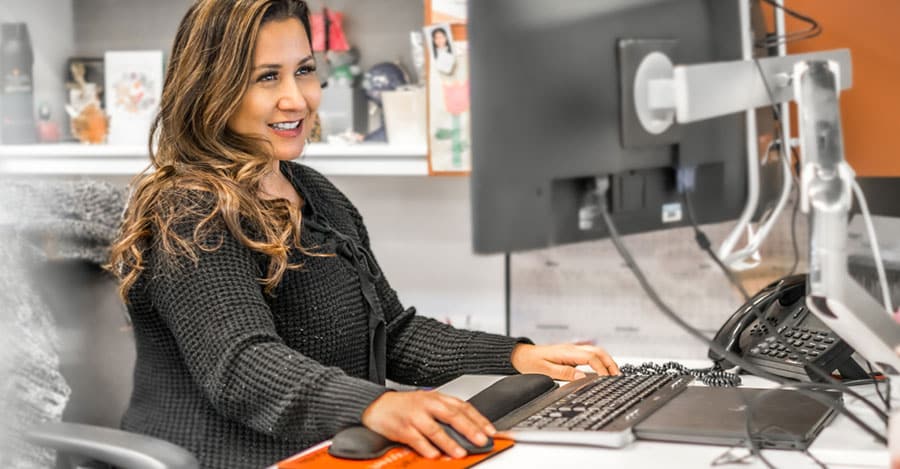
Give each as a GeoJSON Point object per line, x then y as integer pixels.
{"type": "Point", "coordinates": [689, 93]}
{"type": "Point", "coordinates": [827, 195]}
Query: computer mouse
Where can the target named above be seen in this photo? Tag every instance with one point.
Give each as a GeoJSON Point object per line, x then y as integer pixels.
{"type": "Point", "coordinates": [471, 448]}
{"type": "Point", "coordinates": [360, 443]}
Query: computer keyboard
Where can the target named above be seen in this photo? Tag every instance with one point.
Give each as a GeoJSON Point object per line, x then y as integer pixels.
{"type": "Point", "coordinates": [596, 410]}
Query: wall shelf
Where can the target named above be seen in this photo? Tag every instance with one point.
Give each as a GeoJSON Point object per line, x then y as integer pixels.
{"type": "Point", "coordinates": [72, 159]}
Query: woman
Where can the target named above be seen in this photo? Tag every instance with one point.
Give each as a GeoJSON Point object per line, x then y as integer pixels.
{"type": "Point", "coordinates": [263, 324]}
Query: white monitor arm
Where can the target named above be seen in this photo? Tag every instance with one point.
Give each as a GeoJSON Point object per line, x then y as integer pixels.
{"type": "Point", "coordinates": [827, 195]}
{"type": "Point", "coordinates": [689, 93]}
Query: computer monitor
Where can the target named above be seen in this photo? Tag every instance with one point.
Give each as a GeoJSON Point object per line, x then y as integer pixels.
{"type": "Point", "coordinates": [552, 109]}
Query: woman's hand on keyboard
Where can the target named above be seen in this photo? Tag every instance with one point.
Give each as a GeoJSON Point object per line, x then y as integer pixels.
{"type": "Point", "coordinates": [559, 361]}
{"type": "Point", "coordinates": [412, 418]}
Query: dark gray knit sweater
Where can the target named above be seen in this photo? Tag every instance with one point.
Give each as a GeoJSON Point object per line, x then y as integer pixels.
{"type": "Point", "coordinates": [243, 379]}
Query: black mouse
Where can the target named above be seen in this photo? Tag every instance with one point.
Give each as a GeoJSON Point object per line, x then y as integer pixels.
{"type": "Point", "coordinates": [471, 448]}
{"type": "Point", "coordinates": [360, 443]}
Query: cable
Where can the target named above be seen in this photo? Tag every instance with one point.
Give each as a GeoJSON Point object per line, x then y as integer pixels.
{"type": "Point", "coordinates": [705, 245]}
{"type": "Point", "coordinates": [886, 400]}
{"type": "Point", "coordinates": [794, 244]}
{"type": "Point", "coordinates": [755, 240]}
{"type": "Point", "coordinates": [712, 376]}
{"type": "Point", "coordinates": [814, 458]}
{"type": "Point", "coordinates": [755, 401]}
{"type": "Point", "coordinates": [814, 28]}
{"type": "Point", "coordinates": [718, 348]}
{"type": "Point", "coordinates": [876, 249]}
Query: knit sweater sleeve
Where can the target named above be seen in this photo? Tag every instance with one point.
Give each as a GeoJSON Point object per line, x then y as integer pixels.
{"type": "Point", "coordinates": [216, 311]}
{"type": "Point", "coordinates": [426, 352]}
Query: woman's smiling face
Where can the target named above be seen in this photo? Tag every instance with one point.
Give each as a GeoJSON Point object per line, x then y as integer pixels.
{"type": "Point", "coordinates": [284, 92]}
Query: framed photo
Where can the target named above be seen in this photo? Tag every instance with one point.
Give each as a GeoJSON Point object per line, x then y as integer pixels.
{"type": "Point", "coordinates": [133, 90]}
{"type": "Point", "coordinates": [449, 131]}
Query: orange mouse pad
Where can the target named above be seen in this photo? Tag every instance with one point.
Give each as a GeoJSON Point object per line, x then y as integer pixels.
{"type": "Point", "coordinates": [318, 457]}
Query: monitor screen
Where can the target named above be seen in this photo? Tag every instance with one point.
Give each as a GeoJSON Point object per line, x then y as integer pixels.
{"type": "Point", "coordinates": [552, 109]}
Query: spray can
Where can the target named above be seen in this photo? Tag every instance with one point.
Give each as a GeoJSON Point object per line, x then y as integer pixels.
{"type": "Point", "coordinates": [17, 124]}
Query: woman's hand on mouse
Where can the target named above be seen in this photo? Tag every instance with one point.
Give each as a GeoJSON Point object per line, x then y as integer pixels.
{"type": "Point", "coordinates": [559, 361]}
{"type": "Point", "coordinates": [412, 418]}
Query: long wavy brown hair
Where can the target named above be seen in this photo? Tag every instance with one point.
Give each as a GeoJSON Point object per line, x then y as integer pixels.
{"type": "Point", "coordinates": [196, 158]}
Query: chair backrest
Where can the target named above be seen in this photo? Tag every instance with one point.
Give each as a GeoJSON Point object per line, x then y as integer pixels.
{"type": "Point", "coordinates": [96, 341]}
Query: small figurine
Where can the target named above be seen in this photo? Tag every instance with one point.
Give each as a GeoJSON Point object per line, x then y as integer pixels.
{"type": "Point", "coordinates": [88, 122]}
{"type": "Point", "coordinates": [91, 125]}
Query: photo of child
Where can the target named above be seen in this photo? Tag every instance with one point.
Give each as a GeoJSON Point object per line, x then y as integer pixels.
{"type": "Point", "coordinates": [448, 91]}
{"type": "Point", "coordinates": [442, 50]}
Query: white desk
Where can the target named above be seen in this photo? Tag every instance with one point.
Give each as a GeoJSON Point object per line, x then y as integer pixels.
{"type": "Point", "coordinates": [840, 445]}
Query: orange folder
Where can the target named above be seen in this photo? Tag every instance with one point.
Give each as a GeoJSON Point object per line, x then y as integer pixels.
{"type": "Point", "coordinates": [402, 457]}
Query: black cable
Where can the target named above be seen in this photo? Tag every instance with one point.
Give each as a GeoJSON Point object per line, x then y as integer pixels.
{"type": "Point", "coordinates": [887, 392]}
{"type": "Point", "coordinates": [885, 400]}
{"type": "Point", "coordinates": [712, 376]}
{"type": "Point", "coordinates": [794, 244]}
{"type": "Point", "coordinates": [795, 170]}
{"type": "Point", "coordinates": [717, 347]}
{"type": "Point", "coordinates": [706, 245]}
{"type": "Point", "coordinates": [814, 29]}
{"type": "Point", "coordinates": [814, 458]}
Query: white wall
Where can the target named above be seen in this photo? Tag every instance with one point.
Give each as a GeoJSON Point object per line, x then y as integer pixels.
{"type": "Point", "coordinates": [421, 234]}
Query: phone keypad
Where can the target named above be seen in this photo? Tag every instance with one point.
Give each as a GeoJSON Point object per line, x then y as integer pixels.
{"type": "Point", "coordinates": [808, 343]}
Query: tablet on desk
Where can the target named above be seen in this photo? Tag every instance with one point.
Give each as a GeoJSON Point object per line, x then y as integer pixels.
{"type": "Point", "coordinates": [780, 418]}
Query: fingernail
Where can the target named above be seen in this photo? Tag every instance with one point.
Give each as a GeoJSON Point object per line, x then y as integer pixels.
{"type": "Point", "coordinates": [481, 438]}
{"type": "Point", "coordinates": [433, 454]}
{"type": "Point", "coordinates": [459, 453]}
{"type": "Point", "coordinates": [579, 375]}
{"type": "Point", "coordinates": [490, 430]}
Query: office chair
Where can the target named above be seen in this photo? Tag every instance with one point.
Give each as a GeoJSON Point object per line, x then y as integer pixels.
{"type": "Point", "coordinates": [96, 358]}
{"type": "Point", "coordinates": [97, 348]}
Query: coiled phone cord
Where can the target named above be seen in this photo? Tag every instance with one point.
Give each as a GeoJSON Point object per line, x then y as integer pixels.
{"type": "Point", "coordinates": [712, 376]}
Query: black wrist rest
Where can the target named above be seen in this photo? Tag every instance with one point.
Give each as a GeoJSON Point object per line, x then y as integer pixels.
{"type": "Point", "coordinates": [494, 402]}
